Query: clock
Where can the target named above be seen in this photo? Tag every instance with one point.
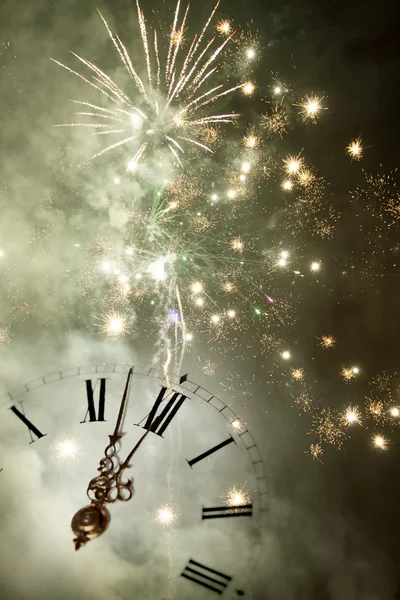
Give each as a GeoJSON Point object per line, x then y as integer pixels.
{"type": "Point", "coordinates": [156, 481]}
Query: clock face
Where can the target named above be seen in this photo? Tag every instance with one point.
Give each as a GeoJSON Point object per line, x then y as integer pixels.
{"type": "Point", "coordinates": [190, 529]}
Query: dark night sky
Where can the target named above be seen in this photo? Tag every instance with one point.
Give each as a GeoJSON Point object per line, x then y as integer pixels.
{"type": "Point", "coordinates": [335, 525]}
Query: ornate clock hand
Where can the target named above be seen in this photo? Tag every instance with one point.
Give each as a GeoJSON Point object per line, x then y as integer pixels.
{"type": "Point", "coordinates": [116, 436]}
{"type": "Point", "coordinates": [92, 520]}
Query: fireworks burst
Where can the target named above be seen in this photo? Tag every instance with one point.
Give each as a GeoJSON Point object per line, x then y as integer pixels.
{"type": "Point", "coordinates": [67, 449]}
{"type": "Point", "coordinates": [171, 106]}
{"type": "Point", "coordinates": [327, 341]}
{"type": "Point", "coordinates": [316, 451]}
{"type": "Point", "coordinates": [165, 516]}
{"type": "Point", "coordinates": [297, 374]}
{"type": "Point", "coordinates": [351, 415]}
{"type": "Point", "coordinates": [235, 497]}
{"type": "Point", "coordinates": [310, 108]}
{"type": "Point", "coordinates": [355, 149]}
{"type": "Point", "coordinates": [114, 324]}
{"type": "Point", "coordinates": [380, 442]}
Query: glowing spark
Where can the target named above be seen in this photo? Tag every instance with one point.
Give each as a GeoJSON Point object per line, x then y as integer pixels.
{"type": "Point", "coordinates": [297, 374]}
{"type": "Point", "coordinates": [250, 53]}
{"type": "Point", "coordinates": [165, 516]}
{"type": "Point", "coordinates": [224, 27]}
{"type": "Point", "coordinates": [228, 287]}
{"type": "Point", "coordinates": [395, 412]}
{"type": "Point", "coordinates": [327, 341]}
{"type": "Point", "coordinates": [305, 177]}
{"type": "Point", "coordinates": [199, 301]}
{"type": "Point", "coordinates": [251, 141]}
{"type": "Point", "coordinates": [277, 121]}
{"type": "Point", "coordinates": [315, 266]}
{"type": "Point", "coordinates": [5, 337]}
{"type": "Point", "coordinates": [316, 451]}
{"type": "Point", "coordinates": [310, 107]}
{"type": "Point", "coordinates": [237, 244]}
{"type": "Point", "coordinates": [237, 425]}
{"type": "Point", "coordinates": [355, 149]}
{"type": "Point", "coordinates": [351, 415]}
{"type": "Point", "coordinates": [355, 370]}
{"type": "Point", "coordinates": [285, 354]}
{"type": "Point", "coordinates": [287, 185]}
{"type": "Point", "coordinates": [114, 324]}
{"type": "Point", "coordinates": [304, 401]}
{"type": "Point", "coordinates": [293, 164]}
{"type": "Point", "coordinates": [215, 319]}
{"type": "Point", "coordinates": [189, 337]}
{"type": "Point", "coordinates": [245, 167]}
{"type": "Point", "coordinates": [231, 194]}
{"type": "Point", "coordinates": [67, 449]}
{"type": "Point", "coordinates": [329, 427]}
{"type": "Point", "coordinates": [379, 441]}
{"type": "Point", "coordinates": [196, 287]}
{"type": "Point", "coordinates": [209, 368]}
{"type": "Point", "coordinates": [236, 497]}
{"type": "Point", "coordinates": [347, 374]}
{"type": "Point", "coordinates": [248, 88]}
{"type": "Point", "coordinates": [231, 314]}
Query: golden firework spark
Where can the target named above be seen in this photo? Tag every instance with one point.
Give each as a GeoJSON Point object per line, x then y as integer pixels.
{"type": "Point", "coordinates": [352, 416]}
{"type": "Point", "coordinates": [394, 412]}
{"type": "Point", "coordinates": [236, 497]}
{"type": "Point", "coordinates": [293, 164]}
{"type": "Point", "coordinates": [224, 27]}
{"type": "Point", "coordinates": [327, 341]}
{"type": "Point", "coordinates": [276, 121]}
{"type": "Point", "coordinates": [379, 441]}
{"type": "Point", "coordinates": [248, 88]}
{"type": "Point", "coordinates": [316, 451]}
{"type": "Point", "coordinates": [5, 337]}
{"type": "Point", "coordinates": [209, 368]}
{"type": "Point", "coordinates": [287, 185]}
{"type": "Point", "coordinates": [375, 409]}
{"type": "Point", "coordinates": [310, 108]}
{"type": "Point", "coordinates": [196, 287]}
{"type": "Point", "coordinates": [237, 425]}
{"type": "Point", "coordinates": [297, 374]}
{"type": "Point", "coordinates": [348, 373]}
{"type": "Point", "coordinates": [237, 244]}
{"type": "Point", "coordinates": [67, 448]}
{"type": "Point", "coordinates": [305, 177]}
{"type": "Point", "coordinates": [329, 427]}
{"type": "Point", "coordinates": [228, 287]}
{"type": "Point", "coordinates": [285, 355]}
{"type": "Point", "coordinates": [251, 140]}
{"type": "Point", "coordinates": [355, 149]}
{"type": "Point", "coordinates": [315, 266]}
{"type": "Point", "coordinates": [114, 324]}
{"type": "Point", "coordinates": [304, 401]}
{"type": "Point", "coordinates": [165, 515]}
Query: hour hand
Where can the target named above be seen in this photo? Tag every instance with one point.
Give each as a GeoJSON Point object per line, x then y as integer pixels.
{"type": "Point", "coordinates": [116, 436]}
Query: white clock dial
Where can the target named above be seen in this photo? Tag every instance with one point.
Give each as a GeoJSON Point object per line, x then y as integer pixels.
{"type": "Point", "coordinates": [190, 529]}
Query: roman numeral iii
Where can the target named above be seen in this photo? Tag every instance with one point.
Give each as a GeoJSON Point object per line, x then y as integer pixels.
{"type": "Point", "coordinates": [244, 510]}
{"type": "Point", "coordinates": [208, 578]}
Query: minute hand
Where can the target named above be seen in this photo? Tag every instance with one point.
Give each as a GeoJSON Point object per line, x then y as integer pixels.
{"type": "Point", "coordinates": [116, 436]}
